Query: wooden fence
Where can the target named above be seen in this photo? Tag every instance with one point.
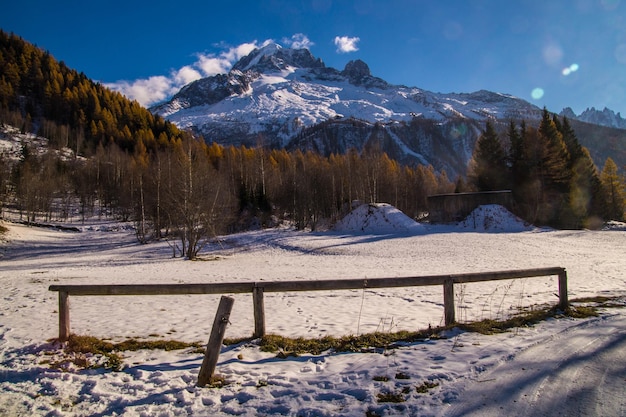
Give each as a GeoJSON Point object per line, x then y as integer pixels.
{"type": "Point", "coordinates": [259, 288]}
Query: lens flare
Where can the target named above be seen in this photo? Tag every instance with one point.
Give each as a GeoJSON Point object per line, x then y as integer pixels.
{"type": "Point", "coordinates": [572, 68]}
{"type": "Point", "coordinates": [537, 93]}
{"type": "Point", "coordinates": [552, 54]}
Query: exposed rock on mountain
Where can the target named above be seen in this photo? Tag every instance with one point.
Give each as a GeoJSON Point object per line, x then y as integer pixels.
{"type": "Point", "coordinates": [605, 117]}
{"type": "Point", "coordinates": [273, 57]}
{"type": "Point", "coordinates": [287, 98]}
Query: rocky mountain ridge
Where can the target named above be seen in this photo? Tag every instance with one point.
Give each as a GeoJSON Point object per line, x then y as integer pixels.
{"type": "Point", "coordinates": [605, 117]}
{"type": "Point", "coordinates": [287, 98]}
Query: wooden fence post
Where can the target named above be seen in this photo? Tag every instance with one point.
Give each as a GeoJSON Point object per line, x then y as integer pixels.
{"type": "Point", "coordinates": [64, 316]}
{"type": "Point", "coordinates": [259, 312]}
{"type": "Point", "coordinates": [215, 340]}
{"type": "Point", "coordinates": [563, 300]}
{"type": "Point", "coordinates": [448, 302]}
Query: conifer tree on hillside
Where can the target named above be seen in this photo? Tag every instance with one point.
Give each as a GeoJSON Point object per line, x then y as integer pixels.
{"type": "Point", "coordinates": [39, 91]}
{"type": "Point", "coordinates": [554, 160]}
{"type": "Point", "coordinates": [615, 188]}
{"type": "Point", "coordinates": [488, 167]}
{"type": "Point", "coordinates": [553, 174]}
{"type": "Point", "coordinates": [521, 165]}
{"type": "Point", "coordinates": [553, 178]}
{"type": "Point", "coordinates": [585, 189]}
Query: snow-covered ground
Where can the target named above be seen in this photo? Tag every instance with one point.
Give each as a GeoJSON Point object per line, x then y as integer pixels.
{"type": "Point", "coordinates": [386, 244]}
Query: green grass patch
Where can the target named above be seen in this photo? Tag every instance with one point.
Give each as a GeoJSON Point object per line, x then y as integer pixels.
{"type": "Point", "coordinates": [601, 302]}
{"type": "Point", "coordinates": [295, 346]}
{"type": "Point", "coordinates": [90, 344]}
{"type": "Point", "coordinates": [80, 349]}
{"type": "Point", "coordinates": [597, 299]}
{"type": "Point", "coordinates": [77, 347]}
{"type": "Point", "coordinates": [424, 387]}
{"type": "Point", "coordinates": [391, 397]}
{"type": "Point", "coordinates": [527, 319]}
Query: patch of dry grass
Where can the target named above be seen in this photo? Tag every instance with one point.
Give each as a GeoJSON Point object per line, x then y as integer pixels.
{"type": "Point", "coordinates": [295, 346]}
{"type": "Point", "coordinates": [81, 351]}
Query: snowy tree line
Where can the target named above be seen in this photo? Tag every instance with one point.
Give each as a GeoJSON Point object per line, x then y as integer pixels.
{"type": "Point", "coordinates": [131, 165]}
{"type": "Point", "coordinates": [191, 190]}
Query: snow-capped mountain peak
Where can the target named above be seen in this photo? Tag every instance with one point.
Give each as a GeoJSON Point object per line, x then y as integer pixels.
{"type": "Point", "coordinates": [272, 57]}
{"type": "Point", "coordinates": [290, 99]}
{"type": "Point", "coordinates": [278, 85]}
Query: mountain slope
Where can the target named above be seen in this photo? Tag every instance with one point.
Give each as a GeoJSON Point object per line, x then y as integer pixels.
{"type": "Point", "coordinates": [43, 95]}
{"type": "Point", "coordinates": [606, 117]}
{"type": "Point", "coordinates": [287, 98]}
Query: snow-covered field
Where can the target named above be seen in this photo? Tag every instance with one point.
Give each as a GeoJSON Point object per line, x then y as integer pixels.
{"type": "Point", "coordinates": [379, 242]}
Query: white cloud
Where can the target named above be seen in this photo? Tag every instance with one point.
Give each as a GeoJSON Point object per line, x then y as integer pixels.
{"type": "Point", "coordinates": [346, 44]}
{"type": "Point", "coordinates": [146, 91]}
{"type": "Point", "coordinates": [149, 91]}
{"type": "Point", "coordinates": [185, 75]}
{"type": "Point", "coordinates": [212, 65]}
{"type": "Point", "coordinates": [298, 41]}
{"type": "Point", "coordinates": [234, 54]}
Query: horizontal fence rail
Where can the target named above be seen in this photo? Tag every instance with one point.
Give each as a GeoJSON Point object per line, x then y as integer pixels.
{"type": "Point", "coordinates": [258, 288]}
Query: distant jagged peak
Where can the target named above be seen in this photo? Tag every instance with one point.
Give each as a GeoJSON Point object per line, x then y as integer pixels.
{"type": "Point", "coordinates": [357, 69]}
{"type": "Point", "coordinates": [569, 113]}
{"type": "Point", "coordinates": [604, 117]}
{"type": "Point", "coordinates": [358, 73]}
{"type": "Point", "coordinates": [272, 57]}
{"type": "Point", "coordinates": [606, 112]}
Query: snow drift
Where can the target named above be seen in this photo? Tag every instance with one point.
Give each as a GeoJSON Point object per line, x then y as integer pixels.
{"type": "Point", "coordinates": [378, 219]}
{"type": "Point", "coordinates": [383, 218]}
{"type": "Point", "coordinates": [162, 383]}
{"type": "Point", "coordinates": [494, 218]}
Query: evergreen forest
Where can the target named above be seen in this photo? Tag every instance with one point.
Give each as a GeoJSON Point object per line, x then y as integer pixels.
{"type": "Point", "coordinates": [131, 165]}
{"type": "Point", "coordinates": [552, 177]}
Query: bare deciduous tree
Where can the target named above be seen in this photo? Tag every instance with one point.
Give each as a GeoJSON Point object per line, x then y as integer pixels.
{"type": "Point", "coordinates": [198, 203]}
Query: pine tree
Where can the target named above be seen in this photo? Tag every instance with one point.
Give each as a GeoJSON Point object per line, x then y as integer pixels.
{"type": "Point", "coordinates": [554, 160]}
{"type": "Point", "coordinates": [516, 158]}
{"type": "Point", "coordinates": [488, 167]}
{"type": "Point", "coordinates": [554, 175]}
{"type": "Point", "coordinates": [615, 188]}
{"type": "Point", "coordinates": [585, 189]}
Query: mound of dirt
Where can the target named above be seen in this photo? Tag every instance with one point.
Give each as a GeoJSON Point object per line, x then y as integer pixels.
{"type": "Point", "coordinates": [494, 218]}
{"type": "Point", "coordinates": [378, 219]}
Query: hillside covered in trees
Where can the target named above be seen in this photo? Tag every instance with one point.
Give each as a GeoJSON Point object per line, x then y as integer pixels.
{"type": "Point", "coordinates": [40, 94]}
{"type": "Point", "coordinates": [553, 178]}
{"type": "Point", "coordinates": [131, 164]}
{"type": "Point", "coordinates": [126, 162]}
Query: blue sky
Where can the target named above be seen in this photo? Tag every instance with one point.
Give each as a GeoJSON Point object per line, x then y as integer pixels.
{"type": "Point", "coordinates": [553, 53]}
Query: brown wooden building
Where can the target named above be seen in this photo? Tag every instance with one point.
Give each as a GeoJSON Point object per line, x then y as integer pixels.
{"type": "Point", "coordinates": [447, 208]}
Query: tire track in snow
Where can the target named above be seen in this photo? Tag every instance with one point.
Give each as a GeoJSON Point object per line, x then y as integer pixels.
{"type": "Point", "coordinates": [589, 378]}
